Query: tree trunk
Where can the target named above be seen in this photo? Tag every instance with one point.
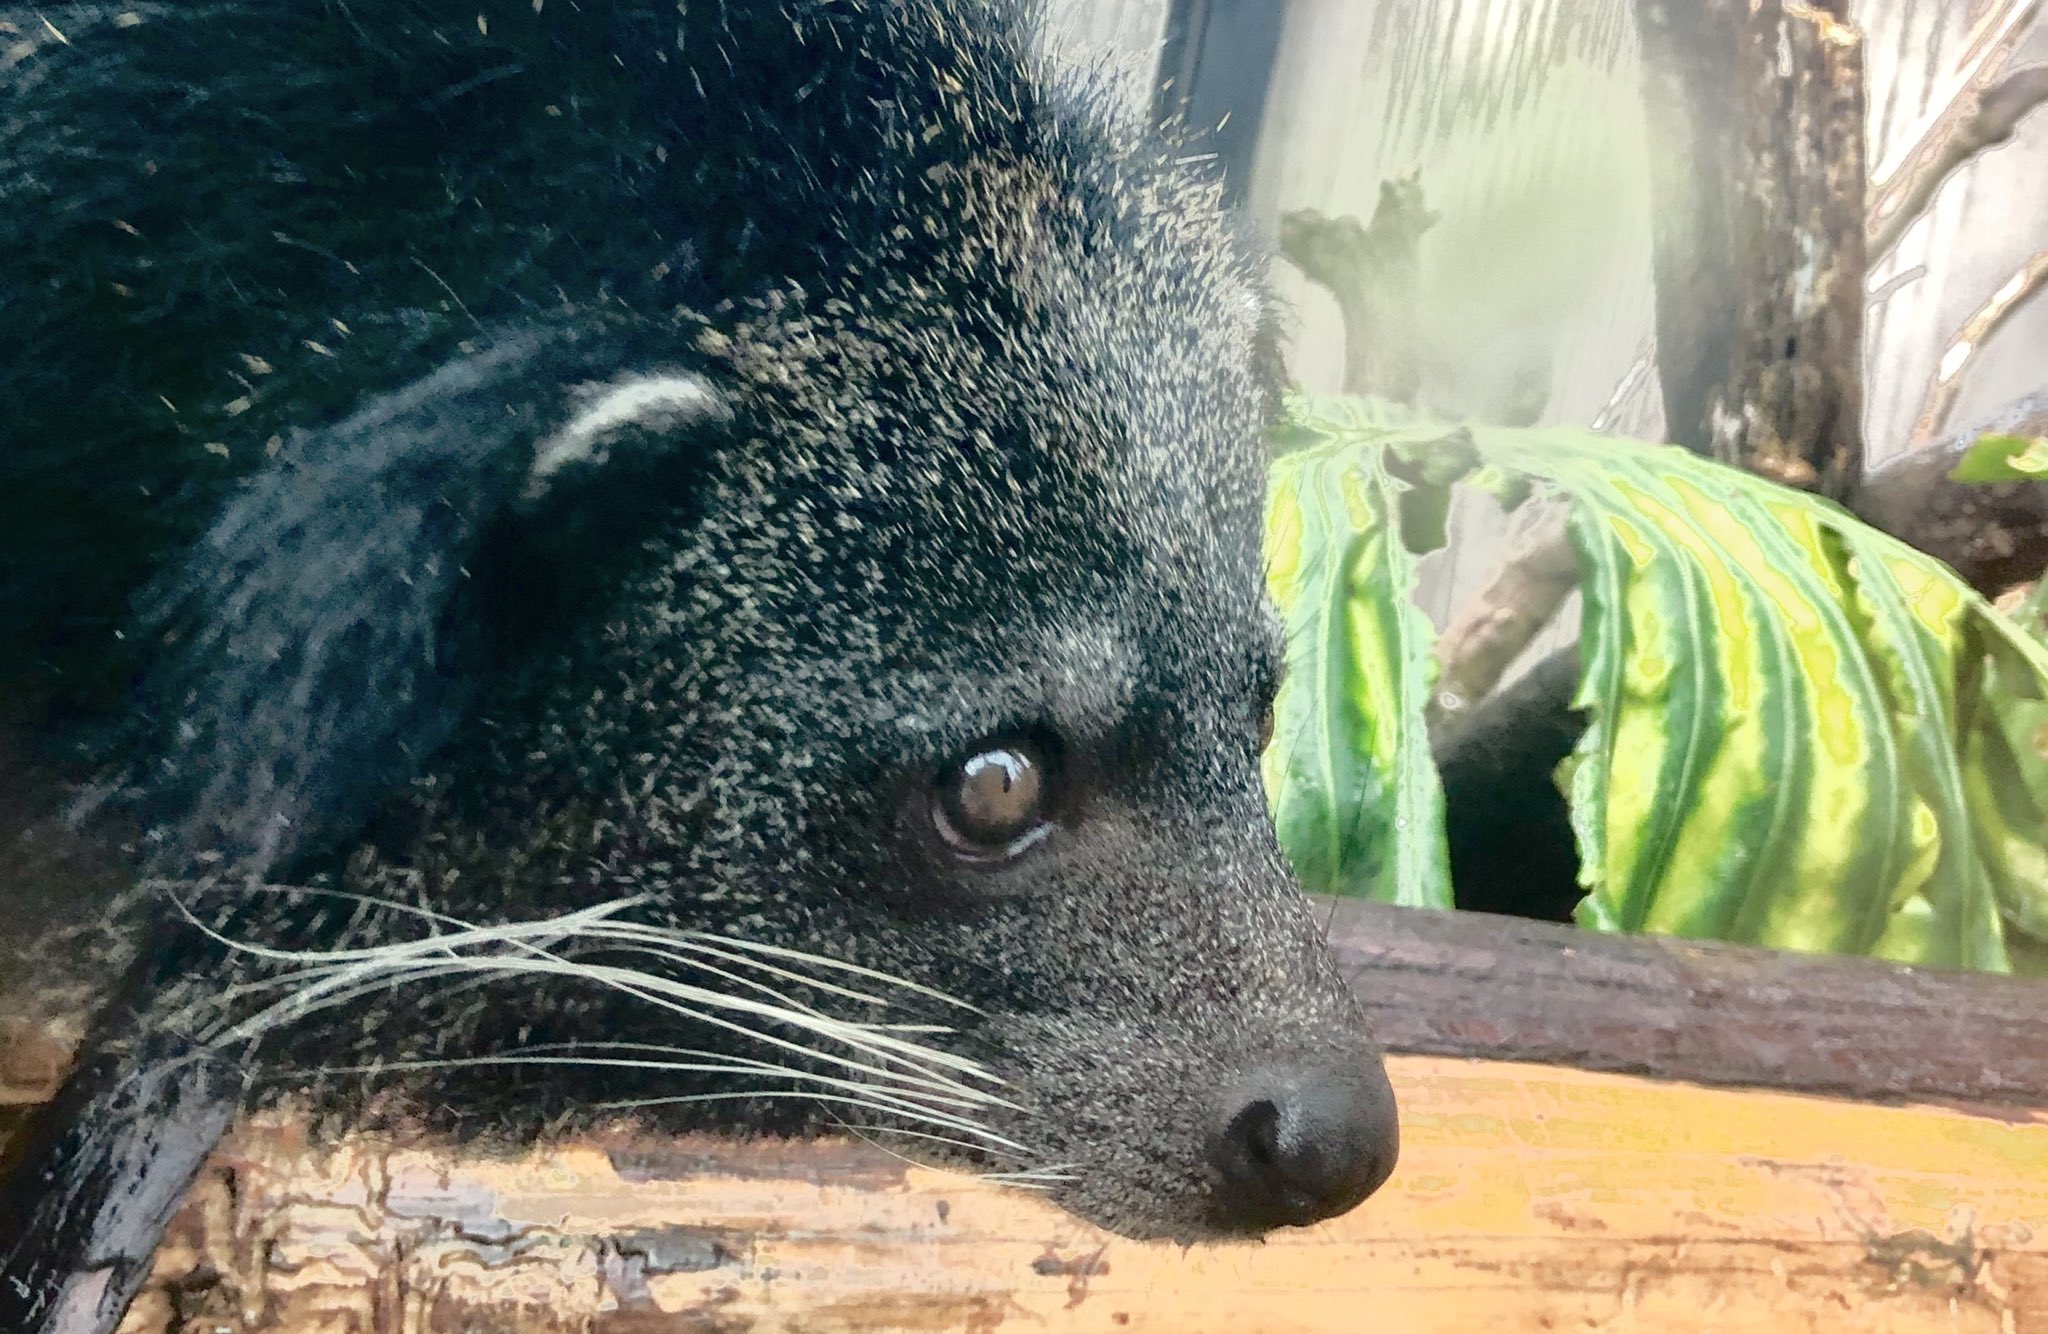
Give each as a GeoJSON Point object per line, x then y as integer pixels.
{"type": "Point", "coordinates": [1755, 116]}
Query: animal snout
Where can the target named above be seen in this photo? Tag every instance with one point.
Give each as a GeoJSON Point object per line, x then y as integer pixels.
{"type": "Point", "coordinates": [1300, 1142]}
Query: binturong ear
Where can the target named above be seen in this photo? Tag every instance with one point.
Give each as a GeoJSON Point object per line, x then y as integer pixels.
{"type": "Point", "coordinates": [331, 628]}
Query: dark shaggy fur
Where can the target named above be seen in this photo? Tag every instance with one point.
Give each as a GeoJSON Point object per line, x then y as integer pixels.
{"type": "Point", "coordinates": [608, 459]}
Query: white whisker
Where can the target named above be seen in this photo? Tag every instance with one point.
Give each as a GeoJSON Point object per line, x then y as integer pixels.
{"type": "Point", "coordinates": [896, 1100]}
{"type": "Point", "coordinates": [882, 1069]}
{"type": "Point", "coordinates": [670, 995]}
{"type": "Point", "coordinates": [782, 999]}
{"type": "Point", "coordinates": [781, 952]}
{"type": "Point", "coordinates": [866, 1134]}
{"type": "Point", "coordinates": [674, 955]}
{"type": "Point", "coordinates": [1032, 1175]}
{"type": "Point", "coordinates": [390, 962]}
{"type": "Point", "coordinates": [681, 941]}
{"type": "Point", "coordinates": [562, 927]}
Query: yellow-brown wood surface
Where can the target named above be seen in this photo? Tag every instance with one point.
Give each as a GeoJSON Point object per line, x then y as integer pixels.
{"type": "Point", "coordinates": [1528, 1198]}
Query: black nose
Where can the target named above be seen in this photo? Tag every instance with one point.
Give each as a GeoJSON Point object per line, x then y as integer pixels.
{"type": "Point", "coordinates": [1301, 1143]}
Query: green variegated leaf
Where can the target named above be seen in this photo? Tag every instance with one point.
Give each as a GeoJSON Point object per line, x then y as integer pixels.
{"type": "Point", "coordinates": [1354, 795]}
{"type": "Point", "coordinates": [1772, 764]}
{"type": "Point", "coordinates": [1804, 733]}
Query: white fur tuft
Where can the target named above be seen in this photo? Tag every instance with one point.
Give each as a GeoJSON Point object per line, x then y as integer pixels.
{"type": "Point", "coordinates": [656, 402]}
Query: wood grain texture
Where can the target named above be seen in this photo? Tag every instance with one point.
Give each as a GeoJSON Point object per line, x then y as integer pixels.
{"type": "Point", "coordinates": [1527, 1199]}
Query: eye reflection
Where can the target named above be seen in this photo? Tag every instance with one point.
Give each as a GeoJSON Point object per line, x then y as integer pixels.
{"type": "Point", "coordinates": [993, 803]}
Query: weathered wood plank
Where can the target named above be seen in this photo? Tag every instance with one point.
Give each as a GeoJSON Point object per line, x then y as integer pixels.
{"type": "Point", "coordinates": [1528, 1198]}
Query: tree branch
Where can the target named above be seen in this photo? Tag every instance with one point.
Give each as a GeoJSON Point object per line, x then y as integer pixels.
{"type": "Point", "coordinates": [1374, 274]}
{"type": "Point", "coordinates": [1470, 984]}
{"type": "Point", "coordinates": [1947, 385]}
{"type": "Point", "coordinates": [1530, 582]}
{"type": "Point", "coordinates": [1994, 534]}
{"type": "Point", "coordinates": [1983, 114]}
{"type": "Point", "coordinates": [1989, 118]}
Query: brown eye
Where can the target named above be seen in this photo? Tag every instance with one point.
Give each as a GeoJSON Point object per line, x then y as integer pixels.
{"type": "Point", "coordinates": [1266, 730]}
{"type": "Point", "coordinates": [993, 803]}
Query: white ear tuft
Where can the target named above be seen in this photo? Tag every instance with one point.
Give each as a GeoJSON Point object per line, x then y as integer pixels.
{"type": "Point", "coordinates": [633, 403]}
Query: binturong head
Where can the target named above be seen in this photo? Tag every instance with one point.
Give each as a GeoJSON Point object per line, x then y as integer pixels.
{"type": "Point", "coordinates": [955, 669]}
{"type": "Point", "coordinates": [767, 577]}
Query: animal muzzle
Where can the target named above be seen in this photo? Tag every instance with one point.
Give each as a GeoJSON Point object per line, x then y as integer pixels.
{"type": "Point", "coordinates": [1299, 1141]}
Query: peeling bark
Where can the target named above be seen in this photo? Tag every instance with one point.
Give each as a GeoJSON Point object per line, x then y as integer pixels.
{"type": "Point", "coordinates": [1527, 1199]}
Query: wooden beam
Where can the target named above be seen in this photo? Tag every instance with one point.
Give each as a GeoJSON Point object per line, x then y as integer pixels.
{"type": "Point", "coordinates": [1527, 1199]}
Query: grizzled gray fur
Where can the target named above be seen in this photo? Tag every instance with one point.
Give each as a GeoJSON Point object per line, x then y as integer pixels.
{"type": "Point", "coordinates": [636, 467]}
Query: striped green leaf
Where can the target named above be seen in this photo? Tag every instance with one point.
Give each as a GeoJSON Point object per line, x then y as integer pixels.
{"type": "Point", "coordinates": [1354, 795]}
{"type": "Point", "coordinates": [1804, 733]}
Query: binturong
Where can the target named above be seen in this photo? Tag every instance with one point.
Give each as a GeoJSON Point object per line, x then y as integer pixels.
{"type": "Point", "coordinates": [694, 561]}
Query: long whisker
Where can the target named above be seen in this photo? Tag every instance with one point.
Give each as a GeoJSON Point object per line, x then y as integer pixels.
{"type": "Point", "coordinates": [568, 924]}
{"type": "Point", "coordinates": [688, 941]}
{"type": "Point", "coordinates": [588, 923]}
{"type": "Point", "coordinates": [388, 962]}
{"type": "Point", "coordinates": [781, 952]}
{"type": "Point", "coordinates": [679, 998]}
{"type": "Point", "coordinates": [1040, 1174]}
{"type": "Point", "coordinates": [1041, 1179]}
{"type": "Point", "coordinates": [902, 1080]}
{"type": "Point", "coordinates": [867, 1134]}
{"type": "Point", "coordinates": [913, 1103]}
{"type": "Point", "coordinates": [753, 984]}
